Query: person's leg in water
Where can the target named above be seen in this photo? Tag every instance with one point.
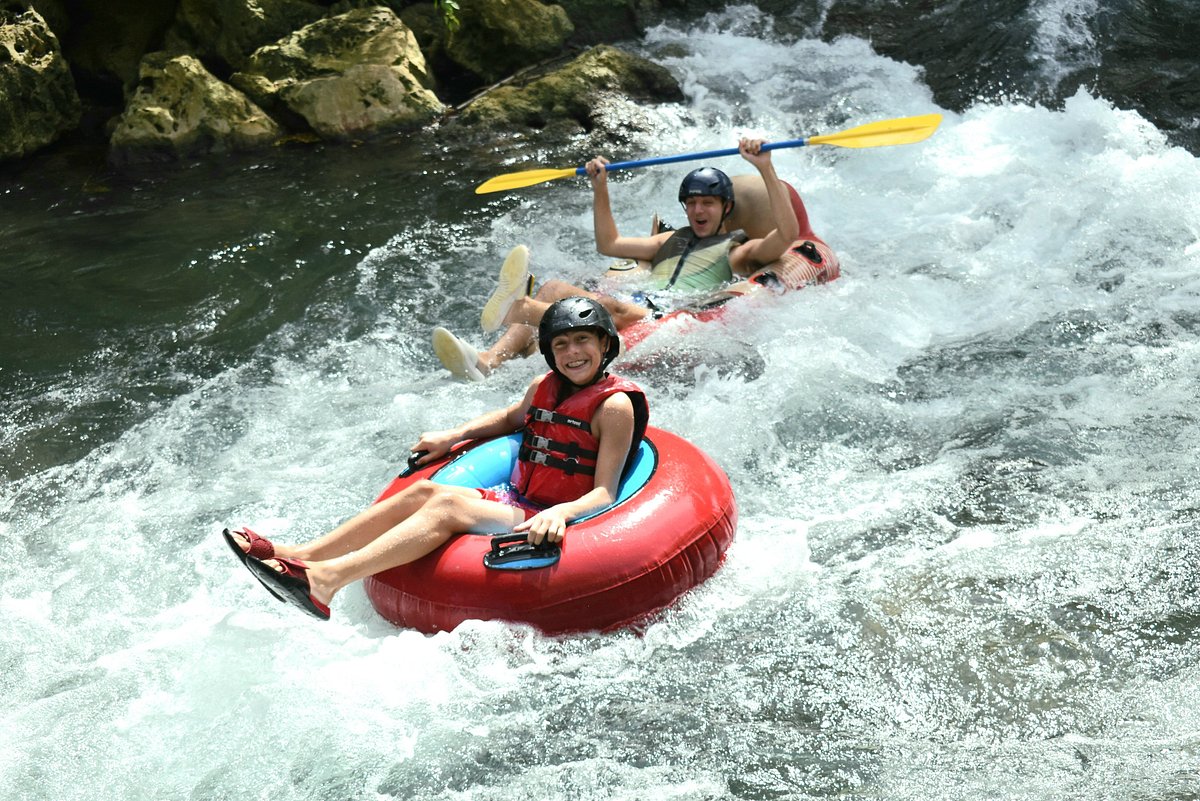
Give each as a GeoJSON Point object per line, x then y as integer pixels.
{"type": "Point", "coordinates": [521, 315]}
{"type": "Point", "coordinates": [524, 315]}
{"type": "Point", "coordinates": [468, 364]}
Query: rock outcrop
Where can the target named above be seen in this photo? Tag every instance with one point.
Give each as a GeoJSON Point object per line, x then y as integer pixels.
{"type": "Point", "coordinates": [180, 110]}
{"type": "Point", "coordinates": [604, 21]}
{"type": "Point", "coordinates": [183, 78]}
{"type": "Point", "coordinates": [499, 37]}
{"type": "Point", "coordinates": [224, 33]}
{"type": "Point", "coordinates": [570, 92]}
{"type": "Point", "coordinates": [352, 75]}
{"type": "Point", "coordinates": [38, 100]}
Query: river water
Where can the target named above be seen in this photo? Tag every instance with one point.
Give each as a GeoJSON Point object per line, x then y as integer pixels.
{"type": "Point", "coordinates": [966, 565]}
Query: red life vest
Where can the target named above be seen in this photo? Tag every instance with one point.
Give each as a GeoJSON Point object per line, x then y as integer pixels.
{"type": "Point", "coordinates": [557, 460]}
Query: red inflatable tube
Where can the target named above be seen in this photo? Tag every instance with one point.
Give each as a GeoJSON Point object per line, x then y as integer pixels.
{"type": "Point", "coordinates": [616, 568]}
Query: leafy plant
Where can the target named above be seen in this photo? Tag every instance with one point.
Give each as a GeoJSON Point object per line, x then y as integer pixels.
{"type": "Point", "coordinates": [449, 10]}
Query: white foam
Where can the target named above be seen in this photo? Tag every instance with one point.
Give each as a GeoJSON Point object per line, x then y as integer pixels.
{"type": "Point", "coordinates": [1009, 218]}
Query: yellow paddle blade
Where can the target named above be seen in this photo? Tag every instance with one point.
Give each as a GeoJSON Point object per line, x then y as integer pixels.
{"type": "Point", "coordinates": [901, 131]}
{"type": "Point", "coordinates": [516, 180]}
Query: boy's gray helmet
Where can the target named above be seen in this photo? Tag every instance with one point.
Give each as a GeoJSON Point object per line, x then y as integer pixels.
{"type": "Point", "coordinates": [571, 313]}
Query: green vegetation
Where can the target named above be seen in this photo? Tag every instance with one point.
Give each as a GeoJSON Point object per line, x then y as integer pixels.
{"type": "Point", "coordinates": [449, 10]}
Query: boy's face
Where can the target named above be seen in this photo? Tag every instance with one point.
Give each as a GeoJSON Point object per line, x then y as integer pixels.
{"type": "Point", "coordinates": [704, 213]}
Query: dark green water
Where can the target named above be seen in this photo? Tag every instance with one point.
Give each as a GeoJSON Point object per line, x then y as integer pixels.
{"type": "Point", "coordinates": [162, 279]}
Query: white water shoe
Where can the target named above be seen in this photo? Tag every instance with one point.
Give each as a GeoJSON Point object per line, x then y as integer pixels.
{"type": "Point", "coordinates": [515, 283]}
{"type": "Point", "coordinates": [459, 358]}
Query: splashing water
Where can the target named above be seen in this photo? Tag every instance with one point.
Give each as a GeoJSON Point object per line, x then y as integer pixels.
{"type": "Point", "coordinates": [965, 564]}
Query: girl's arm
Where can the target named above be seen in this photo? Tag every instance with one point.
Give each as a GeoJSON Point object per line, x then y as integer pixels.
{"type": "Point", "coordinates": [490, 424]}
{"type": "Point", "coordinates": [613, 427]}
{"type": "Point", "coordinates": [747, 258]}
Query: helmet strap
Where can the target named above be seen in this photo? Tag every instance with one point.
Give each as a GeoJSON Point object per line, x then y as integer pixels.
{"type": "Point", "coordinates": [726, 210]}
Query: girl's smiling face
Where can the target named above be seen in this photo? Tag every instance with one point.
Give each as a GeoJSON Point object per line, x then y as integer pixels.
{"type": "Point", "coordinates": [578, 354]}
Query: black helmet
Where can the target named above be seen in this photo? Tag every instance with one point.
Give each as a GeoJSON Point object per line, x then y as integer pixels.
{"type": "Point", "coordinates": [571, 313]}
{"type": "Point", "coordinates": [706, 181]}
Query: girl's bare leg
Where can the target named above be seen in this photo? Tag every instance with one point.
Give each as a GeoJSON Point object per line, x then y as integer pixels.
{"type": "Point", "coordinates": [446, 512]}
{"type": "Point", "coordinates": [364, 526]}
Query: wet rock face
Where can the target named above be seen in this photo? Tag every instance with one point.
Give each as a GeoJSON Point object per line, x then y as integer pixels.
{"type": "Point", "coordinates": [179, 109]}
{"type": "Point", "coordinates": [570, 92]}
{"type": "Point", "coordinates": [38, 100]}
{"type": "Point", "coordinates": [351, 75]}
{"type": "Point", "coordinates": [226, 32]}
{"type": "Point", "coordinates": [188, 77]}
{"type": "Point", "coordinates": [499, 37]}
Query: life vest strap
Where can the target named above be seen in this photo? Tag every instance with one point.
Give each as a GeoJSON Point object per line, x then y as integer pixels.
{"type": "Point", "coordinates": [569, 465]}
{"type": "Point", "coordinates": [571, 449]}
{"type": "Point", "coordinates": [547, 416]}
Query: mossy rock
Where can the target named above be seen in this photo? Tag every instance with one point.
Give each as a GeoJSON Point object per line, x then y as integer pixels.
{"type": "Point", "coordinates": [569, 93]}
{"type": "Point", "coordinates": [499, 37]}
{"type": "Point", "coordinates": [181, 110]}
{"type": "Point", "coordinates": [225, 32]}
{"type": "Point", "coordinates": [352, 75]}
{"type": "Point", "coordinates": [38, 100]}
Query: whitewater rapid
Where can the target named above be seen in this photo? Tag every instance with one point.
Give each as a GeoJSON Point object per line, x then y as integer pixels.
{"type": "Point", "coordinates": [965, 565]}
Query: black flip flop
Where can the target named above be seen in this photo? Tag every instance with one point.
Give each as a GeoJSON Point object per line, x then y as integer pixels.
{"type": "Point", "coordinates": [290, 584]}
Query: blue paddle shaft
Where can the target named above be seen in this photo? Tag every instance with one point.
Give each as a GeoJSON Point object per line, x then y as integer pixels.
{"type": "Point", "coordinates": [708, 154]}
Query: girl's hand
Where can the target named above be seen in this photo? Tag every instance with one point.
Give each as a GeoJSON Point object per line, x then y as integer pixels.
{"type": "Point", "coordinates": [548, 524]}
{"type": "Point", "coordinates": [437, 443]}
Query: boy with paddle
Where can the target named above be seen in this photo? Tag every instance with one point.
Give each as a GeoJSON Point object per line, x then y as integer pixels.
{"type": "Point", "coordinates": [669, 268]}
{"type": "Point", "coordinates": [509, 304]}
